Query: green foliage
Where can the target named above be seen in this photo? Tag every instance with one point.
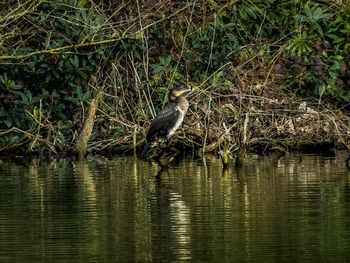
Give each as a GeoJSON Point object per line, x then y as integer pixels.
{"type": "Point", "coordinates": [57, 81]}
{"type": "Point", "coordinates": [314, 16]}
{"type": "Point", "coordinates": [211, 46]}
{"type": "Point", "coordinates": [165, 71]}
{"type": "Point", "coordinates": [318, 51]}
{"type": "Point", "coordinates": [156, 46]}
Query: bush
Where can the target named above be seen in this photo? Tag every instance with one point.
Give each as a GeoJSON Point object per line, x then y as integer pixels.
{"type": "Point", "coordinates": [57, 54]}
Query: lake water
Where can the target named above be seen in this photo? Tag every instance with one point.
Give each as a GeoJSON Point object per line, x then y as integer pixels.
{"type": "Point", "coordinates": [287, 209]}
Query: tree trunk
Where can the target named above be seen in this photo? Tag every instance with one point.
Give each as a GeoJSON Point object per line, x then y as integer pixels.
{"type": "Point", "coordinates": [243, 143]}
{"type": "Point", "coordinates": [84, 135]}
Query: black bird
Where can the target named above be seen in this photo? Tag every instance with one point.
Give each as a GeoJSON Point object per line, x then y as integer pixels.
{"type": "Point", "coordinates": [169, 119]}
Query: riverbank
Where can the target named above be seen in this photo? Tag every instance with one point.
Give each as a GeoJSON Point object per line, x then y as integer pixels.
{"type": "Point", "coordinates": [86, 78]}
{"type": "Point", "coordinates": [268, 118]}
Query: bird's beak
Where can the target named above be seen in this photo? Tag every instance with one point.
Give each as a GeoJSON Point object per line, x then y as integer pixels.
{"type": "Point", "coordinates": [185, 89]}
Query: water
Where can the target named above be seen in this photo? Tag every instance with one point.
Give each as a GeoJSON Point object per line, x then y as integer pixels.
{"type": "Point", "coordinates": [274, 210]}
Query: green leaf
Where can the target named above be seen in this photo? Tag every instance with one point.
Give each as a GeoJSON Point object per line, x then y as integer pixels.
{"type": "Point", "coordinates": [86, 96]}
{"type": "Point", "coordinates": [74, 61]}
{"type": "Point", "coordinates": [300, 18]}
{"type": "Point", "coordinates": [214, 5]}
{"type": "Point", "coordinates": [319, 29]}
{"type": "Point", "coordinates": [8, 122]}
{"type": "Point", "coordinates": [71, 99]}
{"type": "Point", "coordinates": [320, 89]}
{"type": "Point", "coordinates": [36, 112]}
{"type": "Point", "coordinates": [338, 57]}
{"type": "Point", "coordinates": [79, 91]}
{"type": "Point", "coordinates": [9, 84]}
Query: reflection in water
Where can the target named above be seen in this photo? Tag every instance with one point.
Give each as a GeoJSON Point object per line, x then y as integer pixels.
{"type": "Point", "coordinates": [171, 223]}
{"type": "Point", "coordinates": [101, 210]}
{"type": "Point", "coordinates": [180, 221]}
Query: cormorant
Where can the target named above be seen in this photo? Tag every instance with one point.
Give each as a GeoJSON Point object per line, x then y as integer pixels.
{"type": "Point", "coordinates": [169, 119]}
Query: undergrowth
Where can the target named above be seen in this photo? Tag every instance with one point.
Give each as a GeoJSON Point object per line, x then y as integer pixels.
{"type": "Point", "coordinates": [274, 61]}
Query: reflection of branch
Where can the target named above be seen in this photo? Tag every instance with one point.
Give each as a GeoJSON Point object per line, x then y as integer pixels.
{"type": "Point", "coordinates": [94, 43]}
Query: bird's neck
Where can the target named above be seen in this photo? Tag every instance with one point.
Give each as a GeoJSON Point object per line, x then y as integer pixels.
{"type": "Point", "coordinates": [176, 100]}
{"type": "Point", "coordinates": [182, 103]}
{"type": "Point", "coordinates": [173, 99]}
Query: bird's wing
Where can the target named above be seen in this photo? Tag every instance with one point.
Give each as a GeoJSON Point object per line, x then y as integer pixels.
{"type": "Point", "coordinates": [165, 119]}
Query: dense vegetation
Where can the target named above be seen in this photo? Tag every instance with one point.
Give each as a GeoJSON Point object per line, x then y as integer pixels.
{"type": "Point", "coordinates": [252, 65]}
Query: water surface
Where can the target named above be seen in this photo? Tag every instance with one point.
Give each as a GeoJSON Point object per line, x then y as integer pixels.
{"type": "Point", "coordinates": [287, 209]}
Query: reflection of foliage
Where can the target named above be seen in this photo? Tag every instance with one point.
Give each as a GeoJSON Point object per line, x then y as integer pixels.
{"type": "Point", "coordinates": [56, 54]}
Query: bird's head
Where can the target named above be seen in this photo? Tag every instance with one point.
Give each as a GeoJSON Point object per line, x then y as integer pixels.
{"type": "Point", "coordinates": [178, 92]}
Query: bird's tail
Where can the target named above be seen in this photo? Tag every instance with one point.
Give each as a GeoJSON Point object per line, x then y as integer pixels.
{"type": "Point", "coordinates": [144, 151]}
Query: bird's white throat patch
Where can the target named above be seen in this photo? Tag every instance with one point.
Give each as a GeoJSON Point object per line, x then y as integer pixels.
{"type": "Point", "coordinates": [178, 122]}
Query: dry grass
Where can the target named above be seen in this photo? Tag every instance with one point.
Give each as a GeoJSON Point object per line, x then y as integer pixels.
{"type": "Point", "coordinates": [216, 117]}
